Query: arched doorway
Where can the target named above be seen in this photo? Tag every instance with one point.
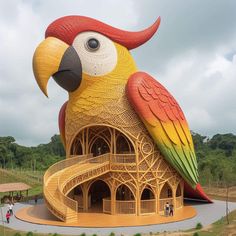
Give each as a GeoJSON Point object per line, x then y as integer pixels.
{"type": "Point", "coordinates": [125, 201]}
{"type": "Point", "coordinates": [123, 145]}
{"type": "Point", "coordinates": [123, 192]}
{"type": "Point", "coordinates": [148, 202]}
{"type": "Point", "coordinates": [98, 190]}
{"type": "Point", "coordinates": [166, 196]}
{"type": "Point", "coordinates": [77, 195]}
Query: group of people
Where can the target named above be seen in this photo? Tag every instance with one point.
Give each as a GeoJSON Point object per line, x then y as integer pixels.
{"type": "Point", "coordinates": [169, 209]}
{"type": "Point", "coordinates": [9, 212]}
{"type": "Point", "coordinates": [10, 209]}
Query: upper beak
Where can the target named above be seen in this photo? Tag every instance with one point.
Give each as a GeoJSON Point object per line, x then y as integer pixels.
{"type": "Point", "coordinates": [55, 58]}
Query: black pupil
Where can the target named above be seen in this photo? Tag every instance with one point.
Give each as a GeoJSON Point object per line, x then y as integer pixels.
{"type": "Point", "coordinates": [93, 43]}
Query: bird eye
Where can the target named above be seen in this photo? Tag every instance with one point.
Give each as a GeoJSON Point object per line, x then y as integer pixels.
{"type": "Point", "coordinates": [92, 44]}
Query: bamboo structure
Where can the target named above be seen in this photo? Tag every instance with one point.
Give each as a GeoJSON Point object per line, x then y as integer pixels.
{"type": "Point", "coordinates": [111, 169]}
{"type": "Point", "coordinates": [128, 146]}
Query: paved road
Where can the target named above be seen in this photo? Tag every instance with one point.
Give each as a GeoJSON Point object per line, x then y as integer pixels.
{"type": "Point", "coordinates": [207, 214]}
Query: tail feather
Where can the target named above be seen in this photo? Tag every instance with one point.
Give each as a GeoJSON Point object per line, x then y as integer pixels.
{"type": "Point", "coordinates": [197, 193]}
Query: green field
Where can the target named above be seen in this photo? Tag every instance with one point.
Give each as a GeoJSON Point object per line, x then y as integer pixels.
{"type": "Point", "coordinates": [34, 179]}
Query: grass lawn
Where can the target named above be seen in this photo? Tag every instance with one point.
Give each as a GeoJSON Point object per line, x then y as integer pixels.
{"type": "Point", "coordinates": [219, 228]}
{"type": "Point", "coordinates": [11, 232]}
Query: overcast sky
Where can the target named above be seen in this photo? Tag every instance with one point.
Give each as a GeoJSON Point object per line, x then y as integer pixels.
{"type": "Point", "coordinates": [193, 55]}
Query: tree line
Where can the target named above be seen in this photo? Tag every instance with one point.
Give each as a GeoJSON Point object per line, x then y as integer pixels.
{"type": "Point", "coordinates": [216, 159]}
{"type": "Point", "coordinates": [216, 156]}
{"type": "Point", "coordinates": [13, 155]}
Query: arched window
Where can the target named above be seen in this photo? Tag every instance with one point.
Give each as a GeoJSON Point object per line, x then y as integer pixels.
{"type": "Point", "coordinates": [147, 194]}
{"type": "Point", "coordinates": [123, 145]}
{"type": "Point", "coordinates": [98, 140]}
{"type": "Point", "coordinates": [124, 193]}
{"type": "Point", "coordinates": [178, 190]}
{"type": "Point", "coordinates": [99, 147]}
{"type": "Point", "coordinates": [166, 191]}
{"type": "Point", "coordinates": [76, 148]}
{"type": "Point", "coordinates": [125, 203]}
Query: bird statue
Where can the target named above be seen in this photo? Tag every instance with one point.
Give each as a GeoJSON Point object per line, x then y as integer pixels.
{"type": "Point", "coordinates": [92, 61]}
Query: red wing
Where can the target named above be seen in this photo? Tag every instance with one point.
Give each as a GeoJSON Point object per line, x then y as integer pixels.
{"type": "Point", "coordinates": [165, 122]}
{"type": "Point", "coordinates": [61, 121]}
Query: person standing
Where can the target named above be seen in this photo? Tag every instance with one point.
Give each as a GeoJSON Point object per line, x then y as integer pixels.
{"type": "Point", "coordinates": [10, 206]}
{"type": "Point", "coordinates": [167, 208]}
{"type": "Point", "coordinates": [8, 215]}
{"type": "Point", "coordinates": [36, 199]}
{"type": "Point", "coordinates": [171, 209]}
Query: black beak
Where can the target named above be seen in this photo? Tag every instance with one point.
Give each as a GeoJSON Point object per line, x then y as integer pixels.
{"type": "Point", "coordinates": [69, 74]}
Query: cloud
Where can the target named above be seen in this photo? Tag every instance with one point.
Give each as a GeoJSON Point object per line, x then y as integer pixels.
{"type": "Point", "coordinates": [186, 25]}
{"type": "Point", "coordinates": [193, 55]}
{"type": "Point", "coordinates": [205, 89]}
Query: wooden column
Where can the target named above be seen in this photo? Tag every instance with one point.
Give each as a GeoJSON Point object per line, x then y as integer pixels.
{"type": "Point", "coordinates": [158, 200]}
{"type": "Point", "coordinates": [138, 202]}
{"type": "Point", "coordinates": [114, 138]}
{"type": "Point", "coordinates": [83, 143]}
{"type": "Point", "coordinates": [174, 197]}
{"type": "Point", "coordinates": [113, 202]}
{"type": "Point", "coordinates": [112, 146]}
{"type": "Point", "coordinates": [86, 143]}
{"type": "Point", "coordinates": [85, 198]}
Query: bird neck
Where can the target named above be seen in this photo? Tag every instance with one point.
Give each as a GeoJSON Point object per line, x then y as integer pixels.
{"type": "Point", "coordinates": [109, 85]}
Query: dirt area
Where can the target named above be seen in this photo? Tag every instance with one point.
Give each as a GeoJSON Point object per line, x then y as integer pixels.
{"type": "Point", "coordinates": [220, 193]}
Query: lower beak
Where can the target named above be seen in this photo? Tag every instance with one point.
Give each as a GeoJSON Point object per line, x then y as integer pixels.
{"type": "Point", "coordinates": [55, 58]}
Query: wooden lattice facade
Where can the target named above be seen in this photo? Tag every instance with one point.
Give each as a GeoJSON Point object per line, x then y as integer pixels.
{"type": "Point", "coordinates": [117, 154]}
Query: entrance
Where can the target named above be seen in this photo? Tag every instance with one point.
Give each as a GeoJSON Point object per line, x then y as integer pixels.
{"type": "Point", "coordinates": [97, 192]}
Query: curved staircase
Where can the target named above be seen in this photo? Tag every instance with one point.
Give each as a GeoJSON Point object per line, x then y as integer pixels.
{"type": "Point", "coordinates": [63, 176]}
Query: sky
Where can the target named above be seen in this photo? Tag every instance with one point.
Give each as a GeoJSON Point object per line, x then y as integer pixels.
{"type": "Point", "coordinates": [193, 55]}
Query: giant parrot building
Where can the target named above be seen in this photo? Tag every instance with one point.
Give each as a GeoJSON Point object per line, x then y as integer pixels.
{"type": "Point", "coordinates": [128, 146]}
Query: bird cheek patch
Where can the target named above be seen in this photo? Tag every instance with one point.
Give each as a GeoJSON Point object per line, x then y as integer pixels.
{"type": "Point", "coordinates": [96, 62]}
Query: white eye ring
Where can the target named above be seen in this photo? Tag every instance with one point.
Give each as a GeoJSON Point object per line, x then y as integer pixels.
{"type": "Point", "coordinates": [100, 60]}
{"type": "Point", "coordinates": [92, 44]}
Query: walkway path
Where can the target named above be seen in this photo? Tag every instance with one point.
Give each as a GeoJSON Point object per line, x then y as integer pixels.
{"type": "Point", "coordinates": [207, 214]}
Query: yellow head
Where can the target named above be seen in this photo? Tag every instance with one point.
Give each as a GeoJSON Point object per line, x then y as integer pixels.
{"type": "Point", "coordinates": [92, 59]}
{"type": "Point", "coordinates": [79, 52]}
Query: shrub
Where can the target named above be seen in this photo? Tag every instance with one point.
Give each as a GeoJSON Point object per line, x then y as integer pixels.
{"type": "Point", "coordinates": [30, 234]}
{"type": "Point", "coordinates": [112, 234]}
{"type": "Point", "coordinates": [196, 234]}
{"type": "Point", "coordinates": [17, 234]}
{"type": "Point", "coordinates": [138, 234]}
{"type": "Point", "coordinates": [83, 234]}
{"type": "Point", "coordinates": [199, 225]}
